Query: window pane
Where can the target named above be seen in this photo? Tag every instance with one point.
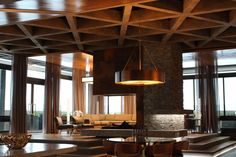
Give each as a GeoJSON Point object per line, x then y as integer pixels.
{"type": "Point", "coordinates": [36, 67]}
{"type": "Point", "coordinates": [39, 98]}
{"type": "Point", "coordinates": [230, 99]}
{"type": "Point", "coordinates": [36, 74]}
{"type": "Point", "coordinates": [114, 104]}
{"type": "Point", "coordinates": [5, 87]}
{"type": "Point", "coordinates": [28, 98]}
{"type": "Point", "coordinates": [65, 97]}
{"type": "Point", "coordinates": [188, 94]}
{"type": "Point", "coordinates": [106, 104]}
{"type": "Point", "coordinates": [221, 95]}
{"type": "Point", "coordinates": [38, 106]}
{"type": "Point", "coordinates": [8, 92]}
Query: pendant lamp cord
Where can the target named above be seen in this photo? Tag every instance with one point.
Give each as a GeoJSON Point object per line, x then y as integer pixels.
{"type": "Point", "coordinates": [140, 54]}
{"type": "Point", "coordinates": [150, 58]}
{"type": "Point", "coordinates": [139, 48]}
{"type": "Point", "coordinates": [128, 60]}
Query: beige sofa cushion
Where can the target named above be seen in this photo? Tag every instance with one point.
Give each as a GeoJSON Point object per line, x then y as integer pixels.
{"type": "Point", "coordinates": [97, 122]}
{"type": "Point", "coordinates": [102, 117]}
{"type": "Point", "coordinates": [133, 117]}
{"type": "Point", "coordinates": [124, 117]}
{"type": "Point", "coordinates": [94, 117]}
{"type": "Point", "coordinates": [86, 116]}
{"type": "Point", "coordinates": [78, 119]}
{"type": "Point", "coordinates": [110, 117]}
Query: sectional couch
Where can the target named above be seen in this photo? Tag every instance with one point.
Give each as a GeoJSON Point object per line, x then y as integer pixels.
{"type": "Point", "coordinates": [106, 119]}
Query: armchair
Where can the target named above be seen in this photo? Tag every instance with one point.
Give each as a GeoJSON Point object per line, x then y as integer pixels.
{"type": "Point", "coordinates": [61, 126]}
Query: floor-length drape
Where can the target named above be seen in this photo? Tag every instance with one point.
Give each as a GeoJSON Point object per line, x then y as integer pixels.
{"type": "Point", "coordinates": [97, 104]}
{"type": "Point", "coordinates": [78, 89]}
{"type": "Point", "coordinates": [91, 102]}
{"type": "Point", "coordinates": [208, 90]}
{"type": "Point", "coordinates": [18, 104]}
{"type": "Point", "coordinates": [52, 93]}
{"type": "Point", "coordinates": [129, 104]}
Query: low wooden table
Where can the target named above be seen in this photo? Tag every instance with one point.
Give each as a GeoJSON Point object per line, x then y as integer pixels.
{"type": "Point", "coordinates": [37, 150]}
{"type": "Point", "coordinates": [149, 140]}
{"type": "Point", "coordinates": [129, 132]}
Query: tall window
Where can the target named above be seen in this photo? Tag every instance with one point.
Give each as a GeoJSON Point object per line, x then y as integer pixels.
{"type": "Point", "coordinates": [226, 81]}
{"type": "Point", "coordinates": [65, 97]}
{"type": "Point", "coordinates": [221, 96]}
{"type": "Point", "coordinates": [113, 104]}
{"type": "Point", "coordinates": [8, 92]}
{"type": "Point", "coordinates": [189, 94]}
{"type": "Point", "coordinates": [5, 89]}
{"type": "Point", "coordinates": [230, 99]}
{"type": "Point", "coordinates": [35, 106]}
{"type": "Point", "coordinates": [189, 97]}
{"type": "Point", "coordinates": [35, 93]}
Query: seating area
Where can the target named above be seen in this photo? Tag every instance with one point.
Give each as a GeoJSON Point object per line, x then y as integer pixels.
{"type": "Point", "coordinates": [100, 120]}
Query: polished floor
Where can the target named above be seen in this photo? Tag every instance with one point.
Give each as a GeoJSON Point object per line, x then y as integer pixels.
{"type": "Point", "coordinates": [231, 153]}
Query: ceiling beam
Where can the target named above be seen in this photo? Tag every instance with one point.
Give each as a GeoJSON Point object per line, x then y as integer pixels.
{"type": "Point", "coordinates": [4, 48]}
{"type": "Point", "coordinates": [190, 44]}
{"type": "Point", "coordinates": [27, 33]}
{"type": "Point", "coordinates": [125, 22]}
{"type": "Point", "coordinates": [188, 6]}
{"type": "Point", "coordinates": [71, 21]}
{"type": "Point", "coordinates": [72, 6]}
{"type": "Point", "coordinates": [218, 31]}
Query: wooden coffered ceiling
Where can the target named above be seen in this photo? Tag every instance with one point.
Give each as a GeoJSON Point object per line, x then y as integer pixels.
{"type": "Point", "coordinates": [38, 27]}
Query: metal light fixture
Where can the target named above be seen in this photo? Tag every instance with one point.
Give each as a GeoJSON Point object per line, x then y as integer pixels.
{"type": "Point", "coordinates": [87, 79]}
{"type": "Point", "coordinates": [140, 76]}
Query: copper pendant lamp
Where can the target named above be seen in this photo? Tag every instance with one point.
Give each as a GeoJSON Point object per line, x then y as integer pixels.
{"type": "Point", "coordinates": [140, 76]}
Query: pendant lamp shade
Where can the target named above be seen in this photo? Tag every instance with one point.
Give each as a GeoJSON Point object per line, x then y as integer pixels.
{"type": "Point", "coordinates": [140, 76]}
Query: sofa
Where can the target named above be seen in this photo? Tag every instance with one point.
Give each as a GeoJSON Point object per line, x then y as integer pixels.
{"type": "Point", "coordinates": [105, 119]}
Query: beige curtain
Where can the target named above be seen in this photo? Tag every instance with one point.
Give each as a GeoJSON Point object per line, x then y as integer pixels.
{"type": "Point", "coordinates": [207, 78]}
{"type": "Point", "coordinates": [18, 105]}
{"type": "Point", "coordinates": [129, 104]}
{"type": "Point", "coordinates": [97, 104]}
{"type": "Point", "coordinates": [78, 89]}
{"type": "Point", "coordinates": [52, 93]}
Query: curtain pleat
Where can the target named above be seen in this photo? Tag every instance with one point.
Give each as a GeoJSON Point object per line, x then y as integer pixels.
{"type": "Point", "coordinates": [52, 94]}
{"type": "Point", "coordinates": [18, 105]}
{"type": "Point", "coordinates": [78, 89]}
{"type": "Point", "coordinates": [129, 104]}
{"type": "Point", "coordinates": [207, 78]}
{"type": "Point", "coordinates": [97, 104]}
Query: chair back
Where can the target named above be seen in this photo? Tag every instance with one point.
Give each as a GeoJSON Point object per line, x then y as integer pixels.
{"type": "Point", "coordinates": [128, 150]}
{"type": "Point", "coordinates": [58, 121]}
{"type": "Point", "coordinates": [162, 149]}
{"type": "Point", "coordinates": [179, 146]}
{"type": "Point", "coordinates": [109, 147]}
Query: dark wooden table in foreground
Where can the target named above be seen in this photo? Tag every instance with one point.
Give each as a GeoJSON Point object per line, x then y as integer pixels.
{"type": "Point", "coordinates": [37, 150]}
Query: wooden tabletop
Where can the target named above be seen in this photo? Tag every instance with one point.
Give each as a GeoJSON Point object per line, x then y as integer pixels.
{"type": "Point", "coordinates": [144, 139]}
{"type": "Point", "coordinates": [37, 150]}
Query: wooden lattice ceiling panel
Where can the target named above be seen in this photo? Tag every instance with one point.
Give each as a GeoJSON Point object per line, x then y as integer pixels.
{"type": "Point", "coordinates": [48, 26]}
